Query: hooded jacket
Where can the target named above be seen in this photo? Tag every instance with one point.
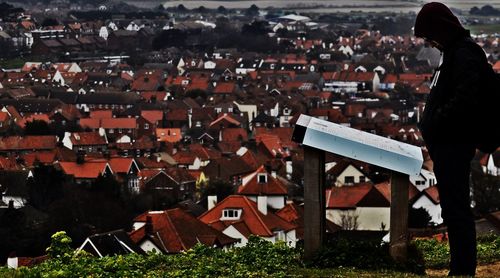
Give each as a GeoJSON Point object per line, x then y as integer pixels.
{"type": "Point", "coordinates": [452, 111]}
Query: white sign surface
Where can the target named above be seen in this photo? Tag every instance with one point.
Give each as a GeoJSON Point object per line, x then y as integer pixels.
{"type": "Point", "coordinates": [360, 145]}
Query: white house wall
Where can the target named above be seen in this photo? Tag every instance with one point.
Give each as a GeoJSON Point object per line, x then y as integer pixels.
{"type": "Point", "coordinates": [276, 202]}
{"type": "Point", "coordinates": [369, 218]}
{"type": "Point", "coordinates": [434, 210]}
{"type": "Point", "coordinates": [350, 171]}
{"type": "Point", "coordinates": [18, 202]}
{"type": "Point", "coordinates": [148, 246]}
{"type": "Point", "coordinates": [232, 232]}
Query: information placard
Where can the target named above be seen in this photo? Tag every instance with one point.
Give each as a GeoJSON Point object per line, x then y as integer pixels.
{"type": "Point", "coordinates": [359, 145]}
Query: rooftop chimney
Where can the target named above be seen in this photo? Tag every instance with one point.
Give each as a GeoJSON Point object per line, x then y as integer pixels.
{"type": "Point", "coordinates": [211, 201]}
{"type": "Point", "coordinates": [148, 227]}
{"type": "Point", "coordinates": [262, 204]}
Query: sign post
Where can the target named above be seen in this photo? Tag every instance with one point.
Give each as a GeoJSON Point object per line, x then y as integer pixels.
{"type": "Point", "coordinates": [319, 136]}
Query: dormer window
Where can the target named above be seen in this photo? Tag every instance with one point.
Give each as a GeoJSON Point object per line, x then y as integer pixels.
{"type": "Point", "coordinates": [231, 213]}
{"type": "Point", "coordinates": [262, 178]}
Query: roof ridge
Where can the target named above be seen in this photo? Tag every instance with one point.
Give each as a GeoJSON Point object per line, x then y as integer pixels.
{"type": "Point", "coordinates": [257, 214]}
{"type": "Point", "coordinates": [174, 229]}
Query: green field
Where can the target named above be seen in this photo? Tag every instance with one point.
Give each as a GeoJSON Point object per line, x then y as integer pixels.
{"type": "Point", "coordinates": [486, 28]}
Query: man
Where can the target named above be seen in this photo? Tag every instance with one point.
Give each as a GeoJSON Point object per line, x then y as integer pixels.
{"type": "Point", "coordinates": [450, 126]}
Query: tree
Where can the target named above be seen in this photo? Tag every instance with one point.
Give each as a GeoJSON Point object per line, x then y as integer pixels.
{"type": "Point", "coordinates": [418, 218]}
{"type": "Point", "coordinates": [217, 187]}
{"type": "Point", "coordinates": [60, 246]}
{"type": "Point", "coordinates": [170, 38]}
{"type": "Point", "coordinates": [349, 220]}
{"type": "Point", "coordinates": [182, 9]}
{"type": "Point", "coordinates": [485, 191]}
{"type": "Point", "coordinates": [222, 10]}
{"type": "Point", "coordinates": [252, 11]}
{"type": "Point", "coordinates": [37, 127]}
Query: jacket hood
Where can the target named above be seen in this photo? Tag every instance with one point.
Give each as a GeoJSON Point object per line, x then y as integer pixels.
{"type": "Point", "coordinates": [435, 21]}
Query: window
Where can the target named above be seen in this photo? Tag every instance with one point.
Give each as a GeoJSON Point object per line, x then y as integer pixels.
{"type": "Point", "coordinates": [349, 180]}
{"type": "Point", "coordinates": [120, 130]}
{"type": "Point", "coordinates": [262, 178]}
{"type": "Point", "coordinates": [146, 126]}
{"type": "Point", "coordinates": [362, 178]}
{"type": "Point", "coordinates": [111, 130]}
{"type": "Point", "coordinates": [231, 213]}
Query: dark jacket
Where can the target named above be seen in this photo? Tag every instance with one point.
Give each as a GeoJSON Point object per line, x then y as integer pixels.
{"type": "Point", "coordinates": [453, 109]}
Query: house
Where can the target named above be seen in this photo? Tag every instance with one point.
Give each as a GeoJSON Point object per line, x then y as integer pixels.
{"type": "Point", "coordinates": [85, 172]}
{"type": "Point", "coordinates": [169, 135]}
{"type": "Point", "coordinates": [223, 121]}
{"type": "Point", "coordinates": [346, 173]}
{"type": "Point", "coordinates": [18, 144]}
{"type": "Point", "coordinates": [174, 231]}
{"type": "Point", "coordinates": [423, 181]}
{"type": "Point", "coordinates": [126, 171]}
{"type": "Point", "coordinates": [362, 206]}
{"type": "Point", "coordinates": [89, 142]}
{"type": "Point", "coordinates": [110, 244]}
{"type": "Point", "coordinates": [261, 183]}
{"type": "Point", "coordinates": [492, 165]}
{"type": "Point", "coordinates": [175, 183]}
{"type": "Point", "coordinates": [239, 217]}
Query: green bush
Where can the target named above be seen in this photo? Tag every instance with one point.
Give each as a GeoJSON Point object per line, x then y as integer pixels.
{"type": "Point", "coordinates": [436, 254]}
{"type": "Point", "coordinates": [259, 258]}
{"type": "Point", "coordinates": [367, 255]}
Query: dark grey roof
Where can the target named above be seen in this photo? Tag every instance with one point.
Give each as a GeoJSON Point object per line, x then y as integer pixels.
{"type": "Point", "coordinates": [111, 244]}
{"type": "Point", "coordinates": [109, 98]}
{"type": "Point", "coordinates": [32, 105]}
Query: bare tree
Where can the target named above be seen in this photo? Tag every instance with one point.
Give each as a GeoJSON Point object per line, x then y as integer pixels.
{"type": "Point", "coordinates": [349, 220]}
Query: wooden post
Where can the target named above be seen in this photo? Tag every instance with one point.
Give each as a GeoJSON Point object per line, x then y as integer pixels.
{"type": "Point", "coordinates": [399, 216]}
{"type": "Point", "coordinates": [314, 201]}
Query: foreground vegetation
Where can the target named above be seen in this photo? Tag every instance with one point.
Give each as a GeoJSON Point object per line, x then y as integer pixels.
{"type": "Point", "coordinates": [259, 258]}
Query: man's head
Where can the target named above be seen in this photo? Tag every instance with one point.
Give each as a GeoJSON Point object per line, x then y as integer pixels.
{"type": "Point", "coordinates": [438, 25]}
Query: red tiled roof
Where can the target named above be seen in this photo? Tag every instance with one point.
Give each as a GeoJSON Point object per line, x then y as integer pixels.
{"type": "Point", "coordinates": [86, 170]}
{"type": "Point", "coordinates": [251, 185]}
{"type": "Point", "coordinates": [224, 88]}
{"type": "Point", "coordinates": [101, 114]}
{"type": "Point", "coordinates": [433, 194]}
{"type": "Point", "coordinates": [234, 134]}
{"type": "Point", "coordinates": [152, 116]}
{"type": "Point", "coordinates": [87, 139]}
{"type": "Point", "coordinates": [226, 117]}
{"type": "Point", "coordinates": [4, 116]}
{"type": "Point", "coordinates": [170, 135]}
{"type": "Point", "coordinates": [177, 115]}
{"type": "Point", "coordinates": [33, 117]}
{"type": "Point", "coordinates": [385, 189]}
{"type": "Point", "coordinates": [256, 222]}
{"type": "Point", "coordinates": [184, 158]}
{"type": "Point", "coordinates": [347, 196]}
{"type": "Point", "coordinates": [129, 123]}
{"type": "Point", "coordinates": [90, 123]}
{"type": "Point", "coordinates": [121, 165]}
{"type": "Point", "coordinates": [44, 157]}
{"type": "Point", "coordinates": [176, 230]}
{"type": "Point", "coordinates": [30, 142]}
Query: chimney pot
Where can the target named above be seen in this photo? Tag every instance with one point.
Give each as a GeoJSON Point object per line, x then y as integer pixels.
{"type": "Point", "coordinates": [262, 204]}
{"type": "Point", "coordinates": [211, 201]}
